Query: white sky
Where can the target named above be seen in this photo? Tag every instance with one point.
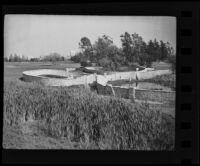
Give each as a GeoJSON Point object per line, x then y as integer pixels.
{"type": "Point", "coordinates": [36, 35]}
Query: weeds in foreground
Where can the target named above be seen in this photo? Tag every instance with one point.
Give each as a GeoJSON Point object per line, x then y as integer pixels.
{"type": "Point", "coordinates": [83, 117]}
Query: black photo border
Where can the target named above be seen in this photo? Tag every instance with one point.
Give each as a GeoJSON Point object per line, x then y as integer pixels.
{"type": "Point", "coordinates": [187, 83]}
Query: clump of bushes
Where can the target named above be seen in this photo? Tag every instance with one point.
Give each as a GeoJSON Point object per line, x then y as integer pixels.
{"type": "Point", "coordinates": [83, 117]}
{"type": "Point", "coordinates": [85, 63]}
{"type": "Point", "coordinates": [77, 58]}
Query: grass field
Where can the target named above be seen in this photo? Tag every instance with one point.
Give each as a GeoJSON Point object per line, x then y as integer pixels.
{"type": "Point", "coordinates": [161, 65]}
{"type": "Point", "coordinates": [13, 70]}
{"type": "Point", "coordinates": [38, 117]}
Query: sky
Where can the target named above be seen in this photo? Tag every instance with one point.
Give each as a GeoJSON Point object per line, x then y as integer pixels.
{"type": "Point", "coordinates": [37, 35]}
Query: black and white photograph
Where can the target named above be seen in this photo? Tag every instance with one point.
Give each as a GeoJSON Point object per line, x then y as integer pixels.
{"type": "Point", "coordinates": [89, 82]}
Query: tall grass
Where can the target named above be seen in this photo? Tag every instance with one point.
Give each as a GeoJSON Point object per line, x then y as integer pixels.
{"type": "Point", "coordinates": [83, 117]}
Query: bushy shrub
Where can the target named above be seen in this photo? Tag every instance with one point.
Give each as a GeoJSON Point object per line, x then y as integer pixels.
{"type": "Point", "coordinates": [77, 58]}
{"type": "Point", "coordinates": [81, 116]}
{"type": "Point", "coordinates": [85, 63]}
{"type": "Point", "coordinates": [104, 62]}
{"type": "Point", "coordinates": [108, 64]}
{"type": "Point", "coordinates": [145, 60]}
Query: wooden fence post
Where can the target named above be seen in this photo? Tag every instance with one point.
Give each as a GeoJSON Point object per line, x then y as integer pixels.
{"type": "Point", "coordinates": [134, 93]}
{"type": "Point", "coordinates": [112, 89]}
{"type": "Point", "coordinates": [96, 77]}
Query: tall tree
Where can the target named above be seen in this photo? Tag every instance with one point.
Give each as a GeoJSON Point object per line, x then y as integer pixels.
{"type": "Point", "coordinates": [170, 50]}
{"type": "Point", "coordinates": [153, 49]}
{"type": "Point", "coordinates": [138, 46]}
{"type": "Point", "coordinates": [144, 58]}
{"type": "Point", "coordinates": [86, 48]}
{"type": "Point", "coordinates": [163, 50]}
{"type": "Point", "coordinates": [157, 51]}
{"type": "Point", "coordinates": [85, 44]}
{"type": "Point", "coordinates": [16, 58]}
{"type": "Point", "coordinates": [102, 47]}
{"type": "Point", "coordinates": [127, 46]}
{"type": "Point", "coordinates": [150, 50]}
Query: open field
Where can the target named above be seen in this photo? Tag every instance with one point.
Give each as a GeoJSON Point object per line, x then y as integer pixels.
{"type": "Point", "coordinates": [13, 70]}
{"type": "Point", "coordinates": [161, 65]}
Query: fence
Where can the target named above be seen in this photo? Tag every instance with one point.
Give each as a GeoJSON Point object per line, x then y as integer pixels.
{"type": "Point", "coordinates": [117, 91]}
{"type": "Point", "coordinates": [36, 75]}
{"type": "Point", "coordinates": [84, 80]}
{"type": "Point", "coordinates": [143, 74]}
{"type": "Point", "coordinates": [102, 86]}
{"type": "Point", "coordinates": [135, 93]}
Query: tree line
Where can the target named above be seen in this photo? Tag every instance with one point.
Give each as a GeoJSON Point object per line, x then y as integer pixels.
{"type": "Point", "coordinates": [133, 50]}
{"type": "Point", "coordinates": [103, 52]}
{"type": "Point", "coordinates": [16, 58]}
{"type": "Point", "coordinates": [52, 57]}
